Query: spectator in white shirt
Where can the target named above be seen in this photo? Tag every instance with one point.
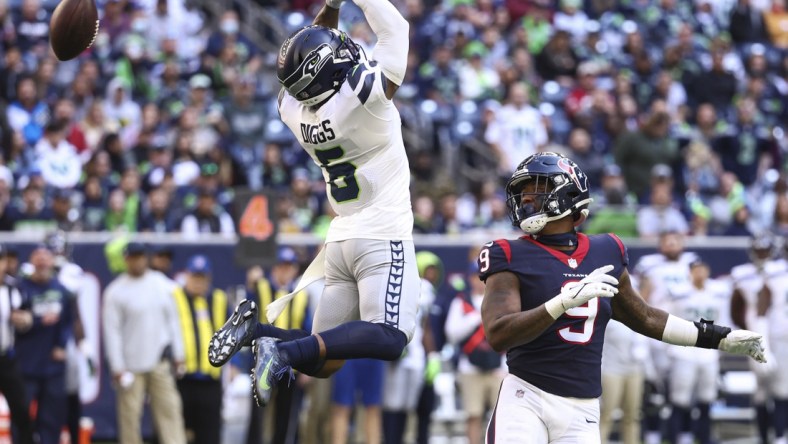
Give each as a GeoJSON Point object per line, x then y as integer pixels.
{"type": "Point", "coordinates": [142, 342]}
{"type": "Point", "coordinates": [58, 160]}
{"type": "Point", "coordinates": [517, 131]}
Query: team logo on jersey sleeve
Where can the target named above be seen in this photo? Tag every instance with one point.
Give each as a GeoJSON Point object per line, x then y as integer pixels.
{"type": "Point", "coordinates": [571, 262]}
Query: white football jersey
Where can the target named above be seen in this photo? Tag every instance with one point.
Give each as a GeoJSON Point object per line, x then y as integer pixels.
{"type": "Point", "coordinates": [778, 311]}
{"type": "Point", "coordinates": [664, 275]}
{"type": "Point", "coordinates": [748, 279]}
{"type": "Point", "coordinates": [712, 303]}
{"type": "Point", "coordinates": [356, 139]}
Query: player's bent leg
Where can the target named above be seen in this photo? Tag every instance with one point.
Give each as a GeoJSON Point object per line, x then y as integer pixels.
{"type": "Point", "coordinates": [388, 283]}
{"type": "Point", "coordinates": [330, 367]}
{"type": "Point", "coordinates": [236, 333]}
{"type": "Point", "coordinates": [516, 418]}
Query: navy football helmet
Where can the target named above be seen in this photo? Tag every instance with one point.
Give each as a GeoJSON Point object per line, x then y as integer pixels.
{"type": "Point", "coordinates": [560, 189]}
{"type": "Point", "coordinates": [314, 61]}
{"type": "Point", "coordinates": [763, 247]}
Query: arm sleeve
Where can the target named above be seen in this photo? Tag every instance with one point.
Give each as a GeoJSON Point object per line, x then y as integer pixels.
{"type": "Point", "coordinates": [392, 31]}
{"type": "Point", "coordinates": [111, 319]}
{"type": "Point", "coordinates": [460, 325]}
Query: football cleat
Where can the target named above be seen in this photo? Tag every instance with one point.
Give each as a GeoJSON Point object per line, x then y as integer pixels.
{"type": "Point", "coordinates": [234, 334]}
{"type": "Point", "coordinates": [268, 369]}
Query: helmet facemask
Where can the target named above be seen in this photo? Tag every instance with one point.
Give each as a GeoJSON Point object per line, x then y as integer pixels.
{"type": "Point", "coordinates": [533, 201]}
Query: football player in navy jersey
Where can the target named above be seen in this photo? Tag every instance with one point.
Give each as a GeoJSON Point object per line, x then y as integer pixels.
{"type": "Point", "coordinates": [549, 296]}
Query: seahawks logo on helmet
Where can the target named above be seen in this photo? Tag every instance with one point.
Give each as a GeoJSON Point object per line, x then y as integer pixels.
{"type": "Point", "coordinates": [314, 61]}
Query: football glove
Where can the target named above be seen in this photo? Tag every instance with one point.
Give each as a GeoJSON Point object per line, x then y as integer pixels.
{"type": "Point", "coordinates": [744, 342]}
{"type": "Point", "coordinates": [761, 325]}
{"type": "Point", "coordinates": [598, 284]}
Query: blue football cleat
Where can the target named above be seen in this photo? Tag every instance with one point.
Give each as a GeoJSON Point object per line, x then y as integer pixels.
{"type": "Point", "coordinates": [269, 368]}
{"type": "Point", "coordinates": [234, 334]}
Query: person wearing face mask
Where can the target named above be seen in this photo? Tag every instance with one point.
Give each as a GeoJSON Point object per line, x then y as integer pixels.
{"type": "Point", "coordinates": [229, 33]}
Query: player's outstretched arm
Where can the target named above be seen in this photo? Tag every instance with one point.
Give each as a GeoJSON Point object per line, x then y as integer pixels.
{"type": "Point", "coordinates": [631, 310]}
{"type": "Point", "coordinates": [505, 324]}
{"type": "Point", "coordinates": [328, 16]}
{"type": "Point", "coordinates": [392, 30]}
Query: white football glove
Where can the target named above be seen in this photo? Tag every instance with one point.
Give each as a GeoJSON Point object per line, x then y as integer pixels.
{"type": "Point", "coordinates": [761, 325]}
{"type": "Point", "coordinates": [744, 342]}
{"type": "Point", "coordinates": [598, 284]}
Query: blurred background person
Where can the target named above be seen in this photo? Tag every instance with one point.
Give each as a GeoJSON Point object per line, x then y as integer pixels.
{"type": "Point", "coordinates": [41, 350]}
{"type": "Point", "coordinates": [359, 381]}
{"type": "Point", "coordinates": [13, 320]}
{"type": "Point", "coordinates": [202, 309]}
{"type": "Point", "coordinates": [283, 410]}
{"type": "Point", "coordinates": [624, 358]}
{"type": "Point", "coordinates": [693, 376]}
{"type": "Point", "coordinates": [144, 348]}
{"type": "Point", "coordinates": [480, 368]}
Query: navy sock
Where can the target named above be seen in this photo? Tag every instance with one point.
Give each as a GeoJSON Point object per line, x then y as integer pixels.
{"type": "Point", "coordinates": [704, 424]}
{"type": "Point", "coordinates": [762, 419]}
{"type": "Point", "coordinates": [269, 331]}
{"type": "Point", "coordinates": [360, 339]}
{"type": "Point", "coordinates": [353, 340]}
{"type": "Point", "coordinates": [302, 354]}
{"type": "Point", "coordinates": [678, 420]}
{"type": "Point", "coordinates": [780, 417]}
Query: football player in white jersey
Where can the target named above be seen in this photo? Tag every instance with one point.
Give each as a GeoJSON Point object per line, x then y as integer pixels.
{"type": "Point", "coordinates": [339, 105]}
{"type": "Point", "coordinates": [748, 280]}
{"type": "Point", "coordinates": [658, 273]}
{"type": "Point", "coordinates": [694, 373]}
{"type": "Point", "coordinates": [772, 322]}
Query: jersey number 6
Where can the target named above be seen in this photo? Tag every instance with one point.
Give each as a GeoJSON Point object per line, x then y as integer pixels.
{"type": "Point", "coordinates": [342, 176]}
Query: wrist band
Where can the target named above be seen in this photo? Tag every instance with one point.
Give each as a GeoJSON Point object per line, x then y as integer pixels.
{"type": "Point", "coordinates": [333, 3]}
{"type": "Point", "coordinates": [710, 335]}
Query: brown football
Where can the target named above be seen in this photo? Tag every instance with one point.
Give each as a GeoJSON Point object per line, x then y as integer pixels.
{"type": "Point", "coordinates": [73, 27]}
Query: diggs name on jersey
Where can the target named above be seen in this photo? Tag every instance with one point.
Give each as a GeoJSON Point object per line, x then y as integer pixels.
{"type": "Point", "coordinates": [316, 134]}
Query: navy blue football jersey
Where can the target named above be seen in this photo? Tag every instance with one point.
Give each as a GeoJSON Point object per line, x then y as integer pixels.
{"type": "Point", "coordinates": [566, 359]}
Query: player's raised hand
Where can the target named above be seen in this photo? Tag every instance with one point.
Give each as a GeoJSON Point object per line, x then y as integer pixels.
{"type": "Point", "coordinates": [744, 342]}
{"type": "Point", "coordinates": [598, 284]}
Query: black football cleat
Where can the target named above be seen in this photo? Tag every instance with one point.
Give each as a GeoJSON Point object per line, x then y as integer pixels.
{"type": "Point", "coordinates": [234, 334]}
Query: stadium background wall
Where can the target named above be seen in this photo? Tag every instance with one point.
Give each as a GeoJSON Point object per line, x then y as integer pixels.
{"type": "Point", "coordinates": [88, 251]}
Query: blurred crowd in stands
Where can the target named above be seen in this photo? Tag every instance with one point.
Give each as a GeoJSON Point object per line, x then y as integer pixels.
{"type": "Point", "coordinates": [675, 110]}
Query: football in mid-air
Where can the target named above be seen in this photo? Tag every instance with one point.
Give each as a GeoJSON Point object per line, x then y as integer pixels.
{"type": "Point", "coordinates": [73, 27]}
